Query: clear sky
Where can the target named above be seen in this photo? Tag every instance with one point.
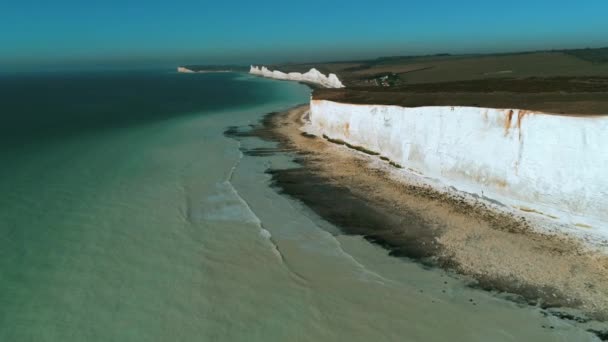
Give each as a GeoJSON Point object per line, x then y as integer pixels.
{"type": "Point", "coordinates": [48, 33]}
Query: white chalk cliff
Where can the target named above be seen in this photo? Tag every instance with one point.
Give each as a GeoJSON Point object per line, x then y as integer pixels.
{"type": "Point", "coordinates": [184, 70]}
{"type": "Point", "coordinates": [550, 165]}
{"type": "Point", "coordinates": [313, 76]}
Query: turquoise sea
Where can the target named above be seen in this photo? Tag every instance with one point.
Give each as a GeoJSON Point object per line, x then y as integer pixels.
{"type": "Point", "coordinates": [127, 215]}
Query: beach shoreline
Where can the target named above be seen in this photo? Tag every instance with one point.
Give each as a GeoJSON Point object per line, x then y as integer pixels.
{"type": "Point", "coordinates": [500, 252]}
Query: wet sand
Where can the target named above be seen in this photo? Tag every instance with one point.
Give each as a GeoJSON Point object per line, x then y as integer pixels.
{"type": "Point", "coordinates": [498, 251]}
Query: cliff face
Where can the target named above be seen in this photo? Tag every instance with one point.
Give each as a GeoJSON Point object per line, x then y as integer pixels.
{"type": "Point", "coordinates": [313, 76]}
{"type": "Point", "coordinates": [184, 70]}
{"type": "Point", "coordinates": [551, 165]}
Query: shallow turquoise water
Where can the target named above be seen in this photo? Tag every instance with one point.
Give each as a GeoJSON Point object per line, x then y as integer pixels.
{"type": "Point", "coordinates": [127, 215]}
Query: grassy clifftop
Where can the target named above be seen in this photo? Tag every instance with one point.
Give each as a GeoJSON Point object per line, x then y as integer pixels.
{"type": "Point", "coordinates": [569, 81]}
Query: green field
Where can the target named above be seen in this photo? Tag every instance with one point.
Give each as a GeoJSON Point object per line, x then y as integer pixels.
{"type": "Point", "coordinates": [568, 81]}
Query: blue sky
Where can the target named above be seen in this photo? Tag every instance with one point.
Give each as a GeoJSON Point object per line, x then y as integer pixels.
{"type": "Point", "coordinates": [38, 34]}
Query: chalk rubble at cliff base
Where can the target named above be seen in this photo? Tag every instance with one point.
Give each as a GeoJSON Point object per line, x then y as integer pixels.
{"type": "Point", "coordinates": [549, 167]}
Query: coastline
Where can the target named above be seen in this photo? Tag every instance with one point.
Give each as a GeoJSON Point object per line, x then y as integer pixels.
{"type": "Point", "coordinates": [500, 252]}
{"type": "Point", "coordinates": [525, 163]}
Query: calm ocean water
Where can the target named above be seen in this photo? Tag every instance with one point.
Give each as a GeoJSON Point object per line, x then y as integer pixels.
{"type": "Point", "coordinates": [127, 215]}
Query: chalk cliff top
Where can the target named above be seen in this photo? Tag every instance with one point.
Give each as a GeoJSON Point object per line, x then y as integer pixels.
{"type": "Point", "coordinates": [549, 102]}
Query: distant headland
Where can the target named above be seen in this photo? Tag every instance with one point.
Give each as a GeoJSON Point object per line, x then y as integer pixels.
{"type": "Point", "coordinates": [188, 69]}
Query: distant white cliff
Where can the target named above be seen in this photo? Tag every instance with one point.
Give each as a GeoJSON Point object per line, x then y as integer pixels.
{"type": "Point", "coordinates": [555, 166]}
{"type": "Point", "coordinates": [313, 76]}
{"type": "Point", "coordinates": [184, 70]}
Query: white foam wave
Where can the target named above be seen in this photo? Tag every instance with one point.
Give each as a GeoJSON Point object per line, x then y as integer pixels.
{"type": "Point", "coordinates": [263, 232]}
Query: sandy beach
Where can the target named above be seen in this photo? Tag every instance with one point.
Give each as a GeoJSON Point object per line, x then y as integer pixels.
{"type": "Point", "coordinates": [500, 252]}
